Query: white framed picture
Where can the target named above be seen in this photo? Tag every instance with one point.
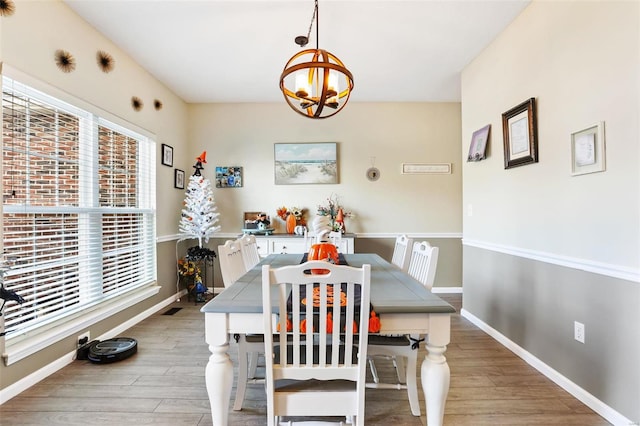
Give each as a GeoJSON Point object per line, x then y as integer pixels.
{"type": "Point", "coordinates": [588, 150]}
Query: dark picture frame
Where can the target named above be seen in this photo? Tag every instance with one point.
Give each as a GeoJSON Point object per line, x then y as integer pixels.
{"type": "Point", "coordinates": [478, 147]}
{"type": "Point", "coordinates": [520, 133]}
{"type": "Point", "coordinates": [178, 179]}
{"type": "Point", "coordinates": [166, 155]}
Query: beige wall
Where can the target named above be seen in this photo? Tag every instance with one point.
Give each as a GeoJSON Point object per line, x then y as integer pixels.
{"type": "Point", "coordinates": [544, 249]}
{"type": "Point", "coordinates": [580, 61]}
{"type": "Point", "coordinates": [28, 40]}
{"type": "Point", "coordinates": [386, 134]}
{"type": "Point", "coordinates": [424, 206]}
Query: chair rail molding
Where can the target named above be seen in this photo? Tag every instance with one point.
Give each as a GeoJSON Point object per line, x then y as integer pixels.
{"type": "Point", "coordinates": [606, 269]}
{"type": "Point", "coordinates": [413, 235]}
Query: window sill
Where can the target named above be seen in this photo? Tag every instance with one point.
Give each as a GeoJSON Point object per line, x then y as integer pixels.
{"type": "Point", "coordinates": [30, 345]}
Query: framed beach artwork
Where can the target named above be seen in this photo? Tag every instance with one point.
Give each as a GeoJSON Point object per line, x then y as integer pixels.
{"type": "Point", "coordinates": [305, 163]}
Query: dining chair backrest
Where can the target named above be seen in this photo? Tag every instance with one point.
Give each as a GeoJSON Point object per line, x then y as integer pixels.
{"type": "Point", "coordinates": [335, 238]}
{"type": "Point", "coordinates": [309, 239]}
{"type": "Point", "coordinates": [402, 252]}
{"type": "Point", "coordinates": [250, 253]}
{"type": "Point", "coordinates": [336, 353]}
{"type": "Point", "coordinates": [232, 264]}
{"type": "Point", "coordinates": [423, 263]}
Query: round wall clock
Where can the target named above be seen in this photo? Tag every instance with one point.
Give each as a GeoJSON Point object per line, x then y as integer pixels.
{"type": "Point", "coordinates": [373, 174]}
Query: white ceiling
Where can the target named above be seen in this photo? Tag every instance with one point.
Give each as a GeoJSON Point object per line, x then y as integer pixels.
{"type": "Point", "coordinates": [234, 51]}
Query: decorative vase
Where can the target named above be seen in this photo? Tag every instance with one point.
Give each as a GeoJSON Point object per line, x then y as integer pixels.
{"type": "Point", "coordinates": [291, 224]}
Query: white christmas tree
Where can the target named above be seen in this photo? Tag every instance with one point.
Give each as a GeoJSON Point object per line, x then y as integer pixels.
{"type": "Point", "coordinates": [199, 216]}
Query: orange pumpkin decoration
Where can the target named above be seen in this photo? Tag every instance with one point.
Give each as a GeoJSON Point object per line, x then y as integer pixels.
{"type": "Point", "coordinates": [329, 323]}
{"type": "Point", "coordinates": [303, 326]}
{"type": "Point", "coordinates": [291, 223]}
{"type": "Point", "coordinates": [354, 327]}
{"type": "Point", "coordinates": [374, 322]}
{"type": "Point", "coordinates": [288, 325]}
{"type": "Point", "coordinates": [323, 251]}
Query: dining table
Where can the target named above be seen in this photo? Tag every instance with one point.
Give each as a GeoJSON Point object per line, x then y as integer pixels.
{"type": "Point", "coordinates": [402, 303]}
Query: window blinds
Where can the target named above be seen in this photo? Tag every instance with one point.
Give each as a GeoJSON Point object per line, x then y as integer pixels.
{"type": "Point", "coordinates": [78, 207]}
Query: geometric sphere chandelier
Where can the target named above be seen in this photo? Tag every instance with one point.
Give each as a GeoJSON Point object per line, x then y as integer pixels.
{"type": "Point", "coordinates": [315, 83]}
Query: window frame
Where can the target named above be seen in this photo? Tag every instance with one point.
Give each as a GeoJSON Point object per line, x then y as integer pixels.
{"type": "Point", "coordinates": [29, 340]}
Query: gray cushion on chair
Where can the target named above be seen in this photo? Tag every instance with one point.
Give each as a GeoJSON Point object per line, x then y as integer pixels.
{"type": "Point", "coordinates": [375, 339]}
{"type": "Point", "coordinates": [254, 338]}
{"type": "Point", "coordinates": [314, 385]}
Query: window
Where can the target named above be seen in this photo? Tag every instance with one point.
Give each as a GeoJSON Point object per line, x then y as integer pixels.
{"type": "Point", "coordinates": [78, 214]}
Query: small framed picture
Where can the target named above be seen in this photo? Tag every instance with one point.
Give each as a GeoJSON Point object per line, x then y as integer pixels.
{"type": "Point", "coordinates": [588, 150]}
{"type": "Point", "coordinates": [228, 177]}
{"type": "Point", "coordinates": [178, 179]}
{"type": "Point", "coordinates": [478, 145]}
{"type": "Point", "coordinates": [167, 155]}
{"type": "Point", "coordinates": [520, 133]}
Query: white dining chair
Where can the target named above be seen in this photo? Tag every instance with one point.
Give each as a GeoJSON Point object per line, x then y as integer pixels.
{"type": "Point", "coordinates": [401, 257]}
{"type": "Point", "coordinates": [232, 264]}
{"type": "Point", "coordinates": [335, 238]}
{"type": "Point", "coordinates": [423, 263]}
{"type": "Point", "coordinates": [402, 252]}
{"type": "Point", "coordinates": [250, 253]}
{"type": "Point", "coordinates": [322, 371]}
{"type": "Point", "coordinates": [422, 266]}
{"type": "Point", "coordinates": [324, 236]}
{"type": "Point", "coordinates": [232, 267]}
{"type": "Point", "coordinates": [309, 239]}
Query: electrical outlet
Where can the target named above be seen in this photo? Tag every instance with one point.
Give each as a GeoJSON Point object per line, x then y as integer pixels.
{"type": "Point", "coordinates": [469, 210]}
{"type": "Point", "coordinates": [83, 339]}
{"type": "Point", "coordinates": [578, 331]}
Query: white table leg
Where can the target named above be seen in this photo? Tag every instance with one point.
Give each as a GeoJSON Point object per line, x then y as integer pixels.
{"type": "Point", "coordinates": [219, 371]}
{"type": "Point", "coordinates": [435, 372]}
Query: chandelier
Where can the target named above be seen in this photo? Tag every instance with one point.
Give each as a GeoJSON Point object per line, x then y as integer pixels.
{"type": "Point", "coordinates": [315, 83]}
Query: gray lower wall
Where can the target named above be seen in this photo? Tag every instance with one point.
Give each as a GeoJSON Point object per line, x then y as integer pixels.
{"type": "Point", "coordinates": [535, 304]}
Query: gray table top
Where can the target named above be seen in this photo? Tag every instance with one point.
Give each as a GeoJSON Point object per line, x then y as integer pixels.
{"type": "Point", "coordinates": [392, 290]}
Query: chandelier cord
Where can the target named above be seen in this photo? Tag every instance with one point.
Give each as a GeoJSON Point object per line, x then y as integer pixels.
{"type": "Point", "coordinates": [313, 18]}
{"type": "Point", "coordinates": [316, 15]}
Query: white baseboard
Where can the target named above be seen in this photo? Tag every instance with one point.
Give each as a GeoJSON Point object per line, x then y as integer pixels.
{"type": "Point", "coordinates": [446, 290]}
{"type": "Point", "coordinates": [579, 393]}
{"type": "Point", "coordinates": [26, 382]}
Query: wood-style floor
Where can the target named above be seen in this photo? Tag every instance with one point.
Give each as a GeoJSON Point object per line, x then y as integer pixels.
{"type": "Point", "coordinates": [163, 384]}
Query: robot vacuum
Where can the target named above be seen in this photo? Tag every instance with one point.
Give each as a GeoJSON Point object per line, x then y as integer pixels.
{"type": "Point", "coordinates": [112, 350]}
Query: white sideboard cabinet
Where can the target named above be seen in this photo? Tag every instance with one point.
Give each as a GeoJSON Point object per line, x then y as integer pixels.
{"type": "Point", "coordinates": [291, 244]}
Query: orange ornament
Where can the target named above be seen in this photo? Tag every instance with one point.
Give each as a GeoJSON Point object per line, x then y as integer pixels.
{"type": "Point", "coordinates": [374, 323]}
{"type": "Point", "coordinates": [288, 325]}
{"type": "Point", "coordinates": [329, 323]}
{"type": "Point", "coordinates": [303, 326]}
{"type": "Point", "coordinates": [354, 327]}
